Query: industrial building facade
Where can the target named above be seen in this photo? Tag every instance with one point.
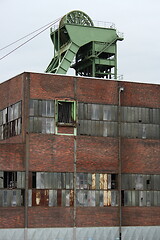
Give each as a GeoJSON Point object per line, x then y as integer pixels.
{"type": "Point", "coordinates": [79, 158]}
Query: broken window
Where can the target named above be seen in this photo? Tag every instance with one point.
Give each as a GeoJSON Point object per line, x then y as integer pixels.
{"type": "Point", "coordinates": [10, 179]}
{"type": "Point", "coordinates": [12, 186]}
{"type": "Point", "coordinates": [10, 121]}
{"type": "Point", "coordinates": [66, 112]}
{"type": "Point", "coordinates": [11, 198]}
{"type": "Point", "coordinates": [41, 116]}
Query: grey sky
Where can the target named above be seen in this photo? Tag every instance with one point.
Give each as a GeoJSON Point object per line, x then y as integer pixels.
{"type": "Point", "coordinates": [138, 54]}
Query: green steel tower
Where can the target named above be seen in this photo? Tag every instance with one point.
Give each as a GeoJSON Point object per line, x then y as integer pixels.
{"type": "Point", "coordinates": [79, 44]}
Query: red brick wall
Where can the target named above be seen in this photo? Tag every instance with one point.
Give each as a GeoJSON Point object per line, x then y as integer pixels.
{"type": "Point", "coordinates": [97, 154]}
{"type": "Point", "coordinates": [140, 216]}
{"type": "Point", "coordinates": [11, 91]}
{"type": "Point", "coordinates": [63, 217]}
{"type": "Point", "coordinates": [47, 86]}
{"type": "Point", "coordinates": [12, 217]}
{"type": "Point", "coordinates": [96, 91]}
{"type": "Point", "coordinates": [97, 217]}
{"type": "Point", "coordinates": [141, 156]}
{"type": "Point", "coordinates": [12, 157]}
{"type": "Point", "coordinates": [140, 95]}
{"type": "Point", "coordinates": [51, 153]}
{"type": "Point", "coordinates": [50, 217]}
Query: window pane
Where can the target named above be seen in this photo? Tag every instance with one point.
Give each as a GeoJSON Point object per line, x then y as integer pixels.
{"type": "Point", "coordinates": [1, 117]}
{"type": "Point", "coordinates": [65, 112]}
{"type": "Point", "coordinates": [33, 108]}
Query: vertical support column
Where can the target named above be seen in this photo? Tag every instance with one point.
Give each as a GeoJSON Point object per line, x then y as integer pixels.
{"type": "Point", "coordinates": [25, 133]}
{"type": "Point", "coordinates": [120, 90]}
{"type": "Point", "coordinates": [115, 68]}
{"type": "Point", "coordinates": [75, 163]}
{"type": "Point", "coordinates": [93, 60]}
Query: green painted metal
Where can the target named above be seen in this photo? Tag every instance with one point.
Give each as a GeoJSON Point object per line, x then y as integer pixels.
{"type": "Point", "coordinates": [78, 44]}
{"type": "Point", "coordinates": [74, 117]}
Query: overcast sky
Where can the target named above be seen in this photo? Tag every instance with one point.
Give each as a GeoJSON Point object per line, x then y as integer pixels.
{"type": "Point", "coordinates": [138, 54]}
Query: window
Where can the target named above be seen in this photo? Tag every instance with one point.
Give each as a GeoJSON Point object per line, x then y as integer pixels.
{"type": "Point", "coordinates": [66, 112]}
{"type": "Point", "coordinates": [10, 121]}
{"type": "Point", "coordinates": [56, 189]}
{"type": "Point", "coordinates": [10, 179]}
{"type": "Point", "coordinates": [140, 190]}
{"type": "Point", "coordinates": [41, 116]}
{"type": "Point", "coordinates": [12, 186]}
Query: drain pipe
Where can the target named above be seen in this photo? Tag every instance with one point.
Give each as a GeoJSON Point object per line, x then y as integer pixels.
{"type": "Point", "coordinates": [120, 90]}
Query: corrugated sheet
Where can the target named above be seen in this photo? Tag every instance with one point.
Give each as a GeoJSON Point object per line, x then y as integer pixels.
{"type": "Point", "coordinates": [101, 233]}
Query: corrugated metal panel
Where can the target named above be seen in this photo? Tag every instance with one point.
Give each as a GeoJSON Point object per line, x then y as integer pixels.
{"type": "Point", "coordinates": [95, 233]}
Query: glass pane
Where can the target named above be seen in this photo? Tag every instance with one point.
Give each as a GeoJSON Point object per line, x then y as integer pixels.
{"type": "Point", "coordinates": [33, 108]}
{"type": "Point", "coordinates": [1, 118]}
{"type": "Point", "coordinates": [95, 112]}
{"type": "Point", "coordinates": [91, 198]}
{"type": "Point", "coordinates": [80, 198]}
{"type": "Point", "coordinates": [114, 198]}
{"type": "Point", "coordinates": [5, 117]}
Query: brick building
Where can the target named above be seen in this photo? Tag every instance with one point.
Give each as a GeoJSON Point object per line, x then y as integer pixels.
{"type": "Point", "coordinates": [79, 158]}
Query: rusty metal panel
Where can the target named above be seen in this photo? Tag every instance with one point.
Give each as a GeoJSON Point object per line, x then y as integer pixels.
{"type": "Point", "coordinates": [101, 181]}
{"type": "Point", "coordinates": [93, 181]}
{"type": "Point", "coordinates": [59, 180]}
{"type": "Point", "coordinates": [105, 181]}
{"type": "Point", "coordinates": [59, 198]}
